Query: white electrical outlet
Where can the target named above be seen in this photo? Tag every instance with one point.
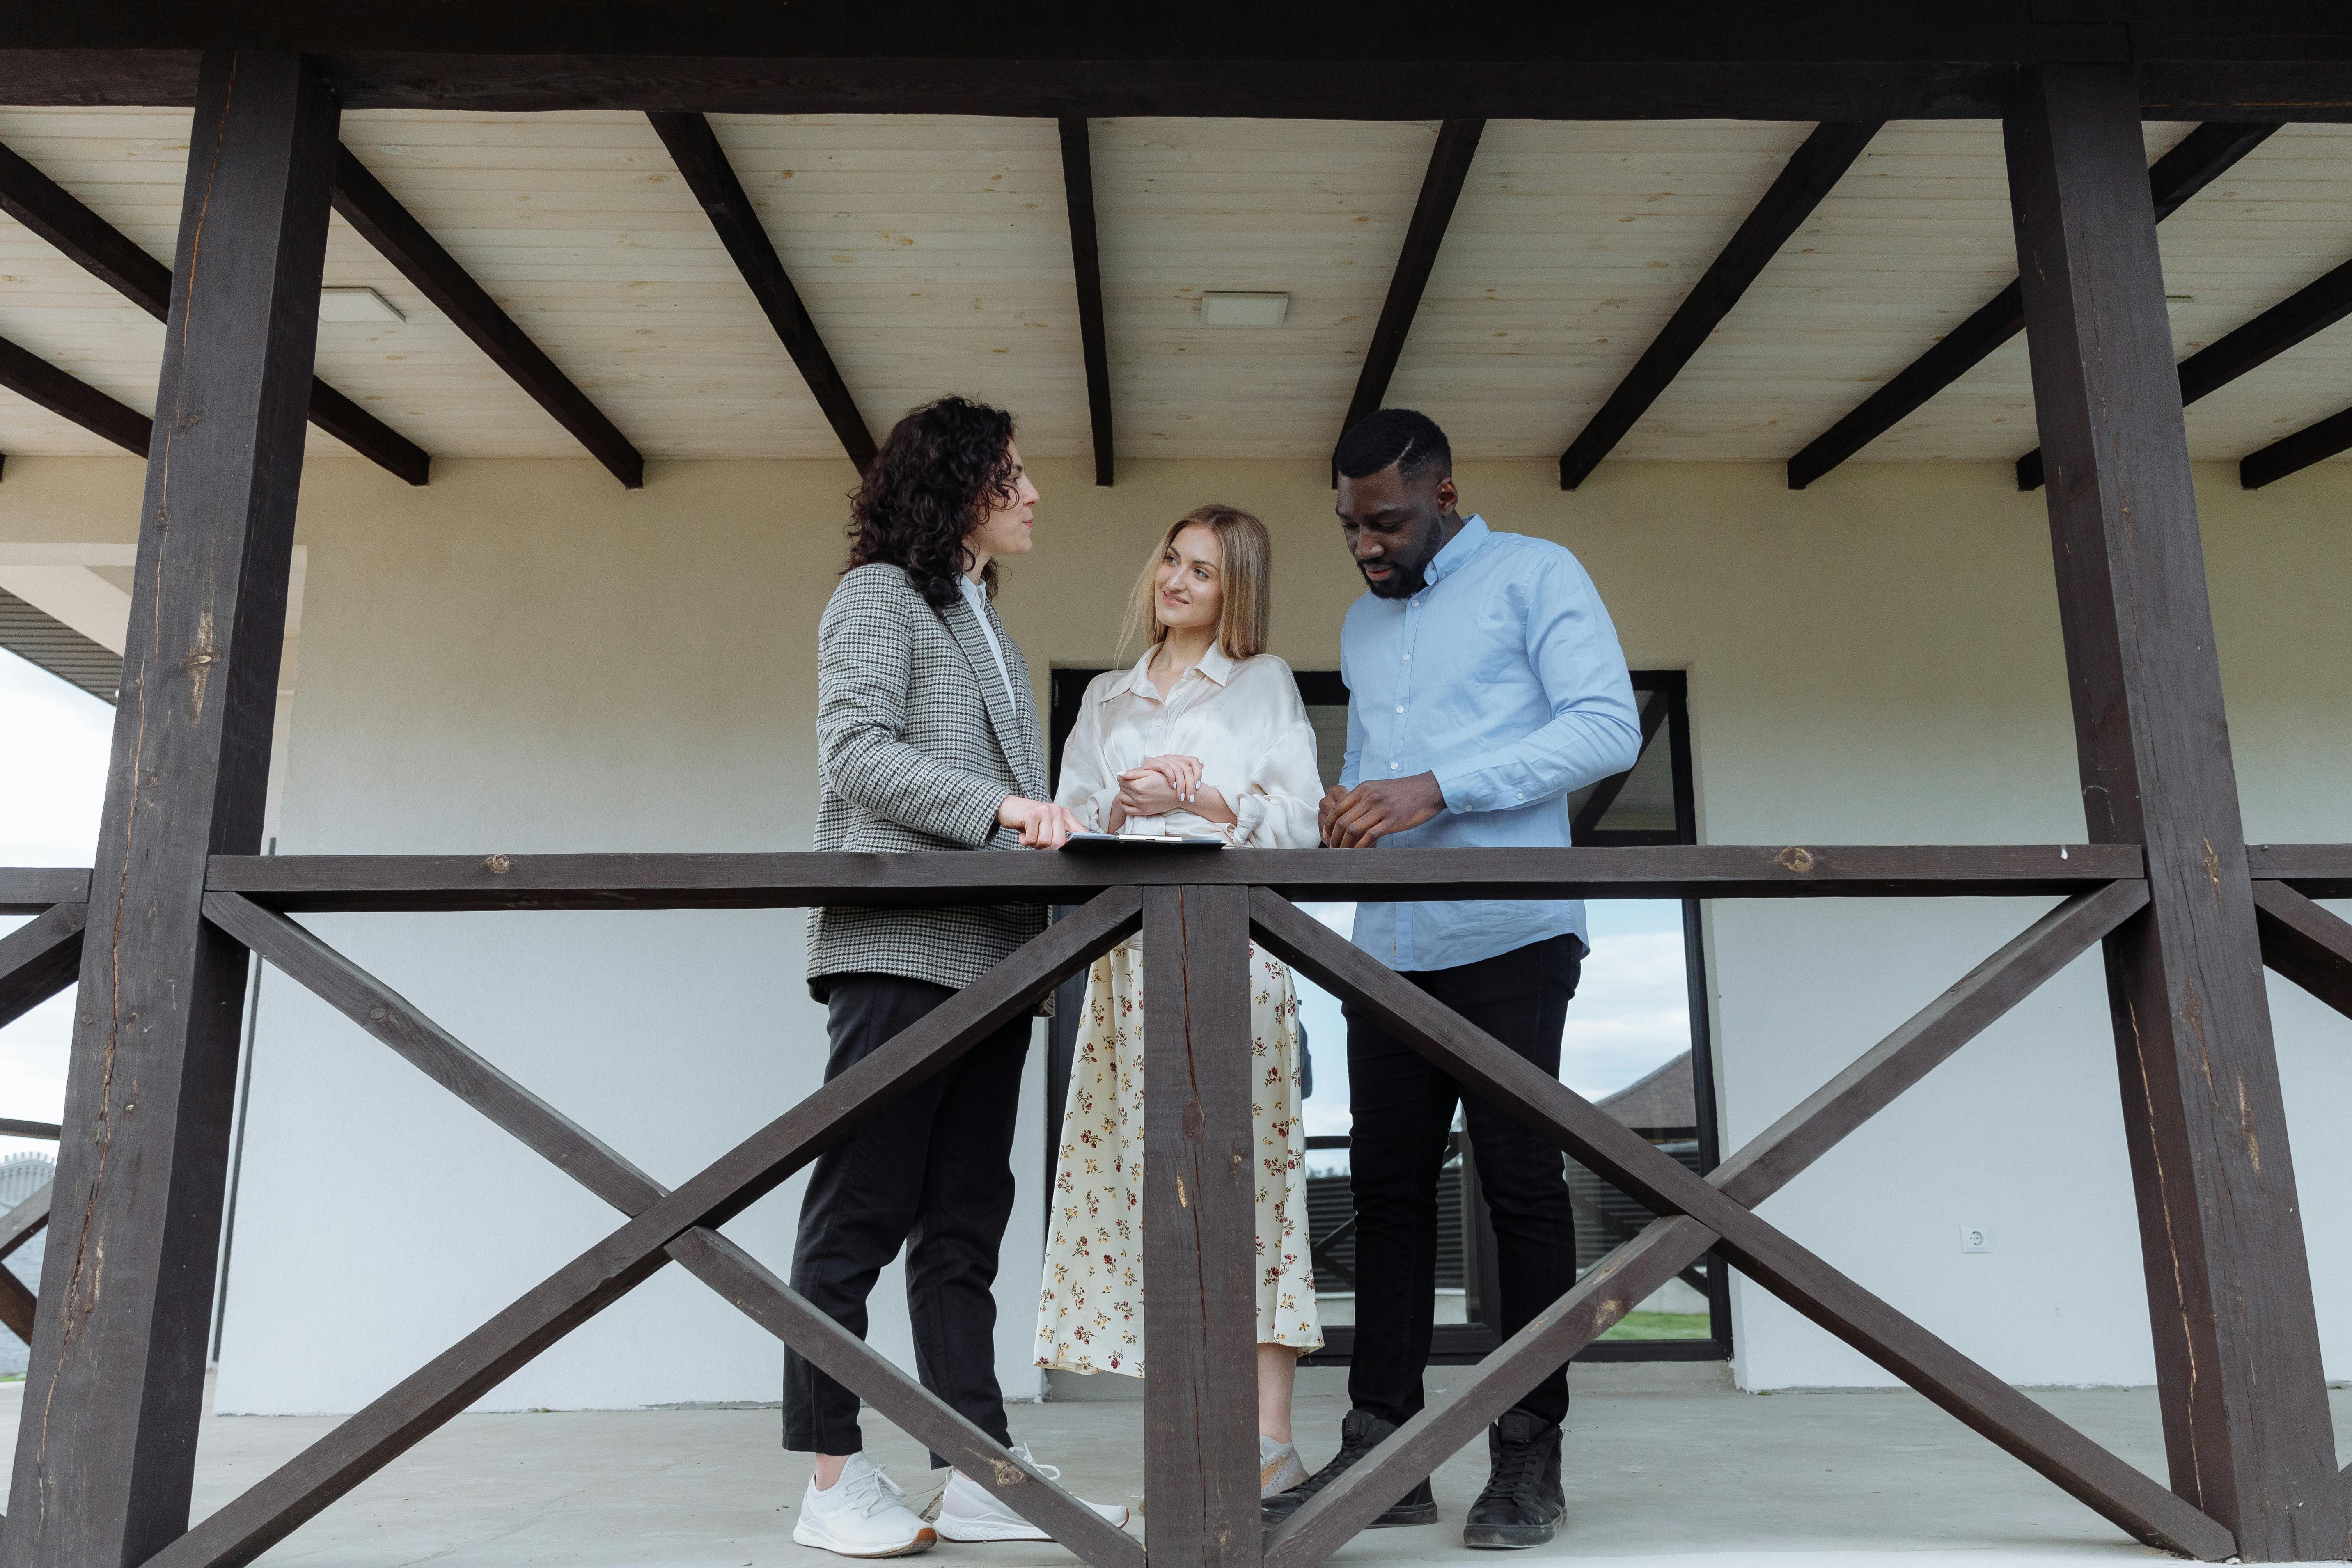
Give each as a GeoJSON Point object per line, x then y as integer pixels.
{"type": "Point", "coordinates": [1975, 1238]}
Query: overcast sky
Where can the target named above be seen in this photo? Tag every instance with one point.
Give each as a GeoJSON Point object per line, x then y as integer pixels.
{"type": "Point", "coordinates": [52, 782]}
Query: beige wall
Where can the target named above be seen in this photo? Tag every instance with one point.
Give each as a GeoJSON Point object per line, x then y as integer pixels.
{"type": "Point", "coordinates": [523, 657]}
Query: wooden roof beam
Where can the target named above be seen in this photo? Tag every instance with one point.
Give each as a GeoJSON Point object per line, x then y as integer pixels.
{"type": "Point", "coordinates": [50, 211]}
{"type": "Point", "coordinates": [2312, 309]}
{"type": "Point", "coordinates": [2201, 156]}
{"type": "Point", "coordinates": [396, 235]}
{"type": "Point", "coordinates": [37, 381]}
{"type": "Point", "coordinates": [1811, 169]}
{"type": "Point", "coordinates": [1441, 187]}
{"type": "Point", "coordinates": [1086, 261]}
{"type": "Point", "coordinates": [2293, 454]}
{"type": "Point", "coordinates": [694, 147]}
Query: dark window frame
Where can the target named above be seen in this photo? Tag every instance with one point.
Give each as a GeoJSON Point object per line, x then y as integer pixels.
{"type": "Point", "coordinates": [1462, 1344]}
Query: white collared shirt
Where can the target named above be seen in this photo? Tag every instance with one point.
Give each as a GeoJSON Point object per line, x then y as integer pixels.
{"type": "Point", "coordinates": [1243, 718]}
{"type": "Point", "coordinates": [976, 596]}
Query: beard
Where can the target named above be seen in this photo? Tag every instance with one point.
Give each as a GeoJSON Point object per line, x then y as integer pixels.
{"type": "Point", "coordinates": [1405, 580]}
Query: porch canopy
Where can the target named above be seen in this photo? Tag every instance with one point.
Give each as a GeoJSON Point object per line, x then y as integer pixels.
{"type": "Point", "coordinates": [1842, 210]}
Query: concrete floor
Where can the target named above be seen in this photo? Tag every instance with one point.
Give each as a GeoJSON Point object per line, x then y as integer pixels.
{"type": "Point", "coordinates": [1681, 1470]}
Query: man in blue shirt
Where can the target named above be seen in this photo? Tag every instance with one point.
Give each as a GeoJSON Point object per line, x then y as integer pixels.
{"type": "Point", "coordinates": [1485, 686]}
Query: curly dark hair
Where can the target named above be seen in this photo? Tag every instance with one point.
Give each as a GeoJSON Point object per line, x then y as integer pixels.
{"type": "Point", "coordinates": [928, 487]}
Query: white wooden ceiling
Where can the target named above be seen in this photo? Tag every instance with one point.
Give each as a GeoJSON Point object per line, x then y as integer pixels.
{"type": "Point", "coordinates": [933, 253]}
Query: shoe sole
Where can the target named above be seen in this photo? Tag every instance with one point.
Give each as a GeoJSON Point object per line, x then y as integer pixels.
{"type": "Point", "coordinates": [976, 1533]}
{"type": "Point", "coordinates": [1509, 1538]}
{"type": "Point", "coordinates": [1426, 1514]}
{"type": "Point", "coordinates": [923, 1542]}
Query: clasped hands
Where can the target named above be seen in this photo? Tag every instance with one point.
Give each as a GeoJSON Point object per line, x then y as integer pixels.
{"type": "Point", "coordinates": [1361, 817]}
{"type": "Point", "coordinates": [1153, 788]}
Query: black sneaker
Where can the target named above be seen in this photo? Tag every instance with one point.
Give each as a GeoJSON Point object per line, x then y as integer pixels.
{"type": "Point", "coordinates": [1523, 1502]}
{"type": "Point", "coordinates": [1359, 1434]}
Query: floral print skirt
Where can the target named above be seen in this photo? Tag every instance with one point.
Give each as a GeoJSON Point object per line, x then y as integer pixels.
{"type": "Point", "coordinates": [1090, 1311]}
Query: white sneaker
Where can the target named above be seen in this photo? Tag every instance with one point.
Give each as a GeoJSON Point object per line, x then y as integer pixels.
{"type": "Point", "coordinates": [1278, 1467]}
{"type": "Point", "coordinates": [863, 1514]}
{"type": "Point", "coordinates": [969, 1511]}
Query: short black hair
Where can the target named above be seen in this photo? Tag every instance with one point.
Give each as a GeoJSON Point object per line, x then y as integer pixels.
{"type": "Point", "coordinates": [1405, 437]}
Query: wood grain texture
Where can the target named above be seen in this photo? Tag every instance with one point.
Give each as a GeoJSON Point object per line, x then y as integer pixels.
{"type": "Point", "coordinates": [422, 1402]}
{"type": "Point", "coordinates": [299, 884]}
{"type": "Point", "coordinates": [363, 203]}
{"type": "Point", "coordinates": [1086, 267]}
{"type": "Point", "coordinates": [695, 148]}
{"type": "Point", "coordinates": [2247, 1428]}
{"type": "Point", "coordinates": [37, 960]}
{"type": "Point", "coordinates": [718, 1262]}
{"type": "Point", "coordinates": [1199, 1260]}
{"type": "Point", "coordinates": [2317, 870]}
{"type": "Point", "coordinates": [2309, 945]}
{"type": "Point", "coordinates": [1981, 1401]}
{"type": "Point", "coordinates": [119, 1354]}
{"type": "Point", "coordinates": [2199, 158]}
{"type": "Point", "coordinates": [1817, 164]}
{"type": "Point", "coordinates": [31, 889]}
{"type": "Point", "coordinates": [1432, 210]}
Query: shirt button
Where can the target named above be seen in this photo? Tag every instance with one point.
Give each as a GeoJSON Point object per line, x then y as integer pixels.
{"type": "Point", "coordinates": [1399, 707]}
{"type": "Point", "coordinates": [1521, 795]}
{"type": "Point", "coordinates": [1408, 658]}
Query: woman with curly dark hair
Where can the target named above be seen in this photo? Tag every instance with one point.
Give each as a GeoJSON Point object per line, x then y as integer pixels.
{"type": "Point", "coordinates": [927, 739]}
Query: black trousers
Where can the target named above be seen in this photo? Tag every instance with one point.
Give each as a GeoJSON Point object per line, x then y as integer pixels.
{"type": "Point", "coordinates": [931, 1171]}
{"type": "Point", "coordinates": [1403, 1109]}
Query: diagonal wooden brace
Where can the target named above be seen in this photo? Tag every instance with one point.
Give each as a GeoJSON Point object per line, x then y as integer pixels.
{"type": "Point", "coordinates": [1628, 1274]}
{"type": "Point", "coordinates": [2305, 942]}
{"type": "Point", "coordinates": [18, 1227]}
{"type": "Point", "coordinates": [1984, 1402]}
{"type": "Point", "coordinates": [710, 1256]}
{"type": "Point", "coordinates": [39, 959]}
{"type": "Point", "coordinates": [427, 1399]}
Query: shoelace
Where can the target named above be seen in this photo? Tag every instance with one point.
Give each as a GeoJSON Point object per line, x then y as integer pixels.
{"type": "Point", "coordinates": [1517, 1467]}
{"type": "Point", "coordinates": [1021, 1452]}
{"type": "Point", "coordinates": [1349, 1454]}
{"type": "Point", "coordinates": [872, 1492]}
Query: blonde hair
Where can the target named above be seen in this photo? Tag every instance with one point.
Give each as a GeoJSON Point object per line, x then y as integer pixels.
{"type": "Point", "coordinates": [1245, 575]}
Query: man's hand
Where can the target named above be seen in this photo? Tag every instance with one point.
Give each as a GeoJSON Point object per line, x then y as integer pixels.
{"type": "Point", "coordinates": [1042, 824]}
{"type": "Point", "coordinates": [1361, 817]}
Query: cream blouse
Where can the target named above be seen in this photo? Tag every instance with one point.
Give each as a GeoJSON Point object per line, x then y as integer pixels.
{"type": "Point", "coordinates": [1242, 718]}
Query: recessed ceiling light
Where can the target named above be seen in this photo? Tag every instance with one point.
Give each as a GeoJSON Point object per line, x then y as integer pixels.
{"type": "Point", "coordinates": [2172, 302]}
{"type": "Point", "coordinates": [1243, 310]}
{"type": "Point", "coordinates": [357, 305]}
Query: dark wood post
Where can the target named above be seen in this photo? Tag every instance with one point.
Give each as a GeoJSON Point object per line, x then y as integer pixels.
{"type": "Point", "coordinates": [2237, 1345]}
{"type": "Point", "coordinates": [107, 1454]}
{"type": "Point", "coordinates": [1200, 1261]}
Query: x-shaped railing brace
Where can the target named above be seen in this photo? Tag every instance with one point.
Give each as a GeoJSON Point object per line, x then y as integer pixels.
{"type": "Point", "coordinates": [665, 1225]}
{"type": "Point", "coordinates": [1717, 1213]}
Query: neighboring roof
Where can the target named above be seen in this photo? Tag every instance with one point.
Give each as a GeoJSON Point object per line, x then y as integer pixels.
{"type": "Point", "coordinates": [1667, 1097]}
{"type": "Point", "coordinates": [40, 638]}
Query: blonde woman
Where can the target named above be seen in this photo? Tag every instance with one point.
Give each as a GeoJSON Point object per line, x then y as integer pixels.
{"type": "Point", "coordinates": [1204, 735]}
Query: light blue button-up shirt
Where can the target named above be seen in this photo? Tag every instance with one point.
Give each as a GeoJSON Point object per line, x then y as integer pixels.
{"type": "Point", "coordinates": [1502, 676]}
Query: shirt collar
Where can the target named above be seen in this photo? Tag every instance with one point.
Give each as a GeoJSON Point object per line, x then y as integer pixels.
{"type": "Point", "coordinates": [1216, 665]}
{"type": "Point", "coordinates": [1458, 549]}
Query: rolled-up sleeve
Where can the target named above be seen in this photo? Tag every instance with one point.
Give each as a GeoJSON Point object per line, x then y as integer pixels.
{"type": "Point", "coordinates": [864, 668]}
{"type": "Point", "coordinates": [1277, 808]}
{"type": "Point", "coordinates": [1594, 730]}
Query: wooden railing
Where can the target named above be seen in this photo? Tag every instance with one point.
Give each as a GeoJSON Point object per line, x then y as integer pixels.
{"type": "Point", "coordinates": [1199, 914]}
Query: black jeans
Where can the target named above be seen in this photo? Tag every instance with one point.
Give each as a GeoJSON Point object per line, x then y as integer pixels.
{"type": "Point", "coordinates": [933, 1172]}
{"type": "Point", "coordinates": [1403, 1109]}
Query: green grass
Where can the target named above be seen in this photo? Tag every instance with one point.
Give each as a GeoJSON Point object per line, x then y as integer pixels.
{"type": "Point", "coordinates": [1660, 1326]}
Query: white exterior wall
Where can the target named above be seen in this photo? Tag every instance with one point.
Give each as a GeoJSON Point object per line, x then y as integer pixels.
{"type": "Point", "coordinates": [523, 659]}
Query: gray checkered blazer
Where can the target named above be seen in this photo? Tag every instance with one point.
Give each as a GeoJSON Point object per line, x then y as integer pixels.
{"type": "Point", "coordinates": [917, 747]}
